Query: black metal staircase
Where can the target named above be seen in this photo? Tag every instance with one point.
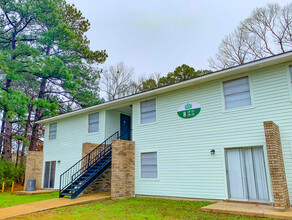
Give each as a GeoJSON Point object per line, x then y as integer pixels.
{"type": "Point", "coordinates": [83, 173]}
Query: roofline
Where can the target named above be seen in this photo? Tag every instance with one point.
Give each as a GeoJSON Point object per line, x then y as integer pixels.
{"type": "Point", "coordinates": [253, 65]}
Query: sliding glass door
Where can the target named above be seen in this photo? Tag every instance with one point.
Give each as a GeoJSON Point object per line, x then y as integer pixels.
{"type": "Point", "coordinates": [246, 174]}
{"type": "Point", "coordinates": [49, 177]}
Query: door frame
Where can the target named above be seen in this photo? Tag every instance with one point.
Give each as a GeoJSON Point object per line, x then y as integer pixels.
{"type": "Point", "coordinates": [50, 172]}
{"type": "Point", "coordinates": [130, 123]}
{"type": "Point", "coordinates": [227, 176]}
{"type": "Point", "coordinates": [246, 188]}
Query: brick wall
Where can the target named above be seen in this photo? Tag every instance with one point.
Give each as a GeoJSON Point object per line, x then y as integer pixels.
{"type": "Point", "coordinates": [276, 164]}
{"type": "Point", "coordinates": [34, 168]}
{"type": "Point", "coordinates": [102, 184]}
{"type": "Point", "coordinates": [123, 169]}
{"type": "Point", "coordinates": [87, 147]}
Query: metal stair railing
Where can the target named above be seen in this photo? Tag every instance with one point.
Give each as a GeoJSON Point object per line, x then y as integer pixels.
{"type": "Point", "coordinates": [82, 166]}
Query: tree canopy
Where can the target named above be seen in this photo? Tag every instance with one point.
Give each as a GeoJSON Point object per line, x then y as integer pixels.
{"type": "Point", "coordinates": [267, 32]}
{"type": "Point", "coordinates": [181, 73]}
{"type": "Point", "coordinates": [46, 67]}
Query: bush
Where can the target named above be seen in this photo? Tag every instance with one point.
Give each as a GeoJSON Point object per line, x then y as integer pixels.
{"type": "Point", "coordinates": [10, 173]}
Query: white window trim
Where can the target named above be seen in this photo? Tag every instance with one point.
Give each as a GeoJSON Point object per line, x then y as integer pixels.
{"type": "Point", "coordinates": [95, 132]}
{"type": "Point", "coordinates": [224, 110]}
{"type": "Point", "coordinates": [49, 135]}
{"type": "Point", "coordinates": [140, 118]}
{"type": "Point", "coordinates": [140, 165]}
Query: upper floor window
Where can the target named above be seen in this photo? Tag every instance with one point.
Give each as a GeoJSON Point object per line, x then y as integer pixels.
{"type": "Point", "coordinates": [149, 165]}
{"type": "Point", "coordinates": [148, 111]}
{"type": "Point", "coordinates": [53, 131]}
{"type": "Point", "coordinates": [237, 93]}
{"type": "Point", "coordinates": [93, 122]}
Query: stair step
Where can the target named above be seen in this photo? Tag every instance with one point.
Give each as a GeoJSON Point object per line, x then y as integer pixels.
{"type": "Point", "coordinates": [66, 194]}
{"type": "Point", "coordinates": [93, 170]}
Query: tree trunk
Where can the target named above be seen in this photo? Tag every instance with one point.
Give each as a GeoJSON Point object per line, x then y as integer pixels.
{"type": "Point", "coordinates": [38, 116]}
{"type": "Point", "coordinates": [17, 153]}
{"type": "Point", "coordinates": [8, 130]}
{"type": "Point", "coordinates": [25, 135]}
{"type": "Point", "coordinates": [2, 133]}
{"type": "Point", "coordinates": [8, 139]}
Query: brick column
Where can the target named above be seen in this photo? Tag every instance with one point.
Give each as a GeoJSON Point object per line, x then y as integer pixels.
{"type": "Point", "coordinates": [123, 169]}
{"type": "Point", "coordinates": [34, 168]}
{"type": "Point", "coordinates": [276, 164]}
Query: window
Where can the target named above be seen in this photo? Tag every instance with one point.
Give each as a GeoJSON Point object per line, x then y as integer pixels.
{"type": "Point", "coordinates": [149, 165]}
{"type": "Point", "coordinates": [236, 93]}
{"type": "Point", "coordinates": [148, 111]}
{"type": "Point", "coordinates": [93, 123]}
{"type": "Point", "coordinates": [53, 131]}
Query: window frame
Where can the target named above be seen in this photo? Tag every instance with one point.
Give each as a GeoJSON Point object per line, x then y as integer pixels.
{"type": "Point", "coordinates": [140, 111]}
{"type": "Point", "coordinates": [224, 109]}
{"type": "Point", "coordinates": [90, 123]}
{"type": "Point", "coordinates": [157, 166]}
{"type": "Point", "coordinates": [50, 131]}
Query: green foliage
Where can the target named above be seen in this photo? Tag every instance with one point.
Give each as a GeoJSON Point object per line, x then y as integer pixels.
{"type": "Point", "coordinates": [181, 73]}
{"type": "Point", "coordinates": [21, 138]}
{"type": "Point", "coordinates": [10, 173]}
{"type": "Point", "coordinates": [16, 103]}
{"type": "Point", "coordinates": [150, 84]}
{"type": "Point", "coordinates": [46, 64]}
{"type": "Point", "coordinates": [49, 108]}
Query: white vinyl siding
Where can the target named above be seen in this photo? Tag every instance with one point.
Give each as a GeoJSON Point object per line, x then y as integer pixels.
{"type": "Point", "coordinates": [93, 123]}
{"type": "Point", "coordinates": [237, 93]}
{"type": "Point", "coordinates": [53, 131]}
{"type": "Point", "coordinates": [72, 132]}
{"type": "Point", "coordinates": [148, 111]}
{"type": "Point", "coordinates": [149, 165]}
{"type": "Point", "coordinates": [290, 68]}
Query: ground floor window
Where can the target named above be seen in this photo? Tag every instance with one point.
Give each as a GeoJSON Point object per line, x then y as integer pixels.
{"type": "Point", "coordinates": [246, 174]}
{"type": "Point", "coordinates": [149, 165]}
{"type": "Point", "coordinates": [49, 177]}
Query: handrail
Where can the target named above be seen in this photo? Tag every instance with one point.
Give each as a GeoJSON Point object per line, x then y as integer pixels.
{"type": "Point", "coordinates": [84, 163]}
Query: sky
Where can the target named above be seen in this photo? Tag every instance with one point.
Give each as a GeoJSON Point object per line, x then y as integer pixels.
{"type": "Point", "coordinates": [156, 36]}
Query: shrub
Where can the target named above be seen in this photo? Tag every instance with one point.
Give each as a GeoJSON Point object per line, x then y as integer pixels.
{"type": "Point", "coordinates": [10, 173]}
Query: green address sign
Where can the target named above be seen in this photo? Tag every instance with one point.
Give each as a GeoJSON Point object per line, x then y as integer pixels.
{"type": "Point", "coordinates": [189, 110]}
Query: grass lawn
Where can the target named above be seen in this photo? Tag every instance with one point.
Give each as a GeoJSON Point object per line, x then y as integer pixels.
{"type": "Point", "coordinates": [137, 208]}
{"type": "Point", "coordinates": [8, 199]}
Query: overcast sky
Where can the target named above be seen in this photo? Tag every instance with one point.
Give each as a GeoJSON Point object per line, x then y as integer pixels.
{"type": "Point", "coordinates": [155, 36]}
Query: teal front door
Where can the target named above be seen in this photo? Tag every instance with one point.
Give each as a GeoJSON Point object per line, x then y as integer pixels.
{"type": "Point", "coordinates": [125, 127]}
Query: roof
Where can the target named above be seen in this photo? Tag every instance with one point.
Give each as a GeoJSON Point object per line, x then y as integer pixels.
{"type": "Point", "coordinates": [253, 65]}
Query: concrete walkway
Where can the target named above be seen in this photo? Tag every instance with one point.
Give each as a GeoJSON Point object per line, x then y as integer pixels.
{"type": "Point", "coordinates": [41, 191]}
{"type": "Point", "coordinates": [33, 207]}
{"type": "Point", "coordinates": [250, 210]}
